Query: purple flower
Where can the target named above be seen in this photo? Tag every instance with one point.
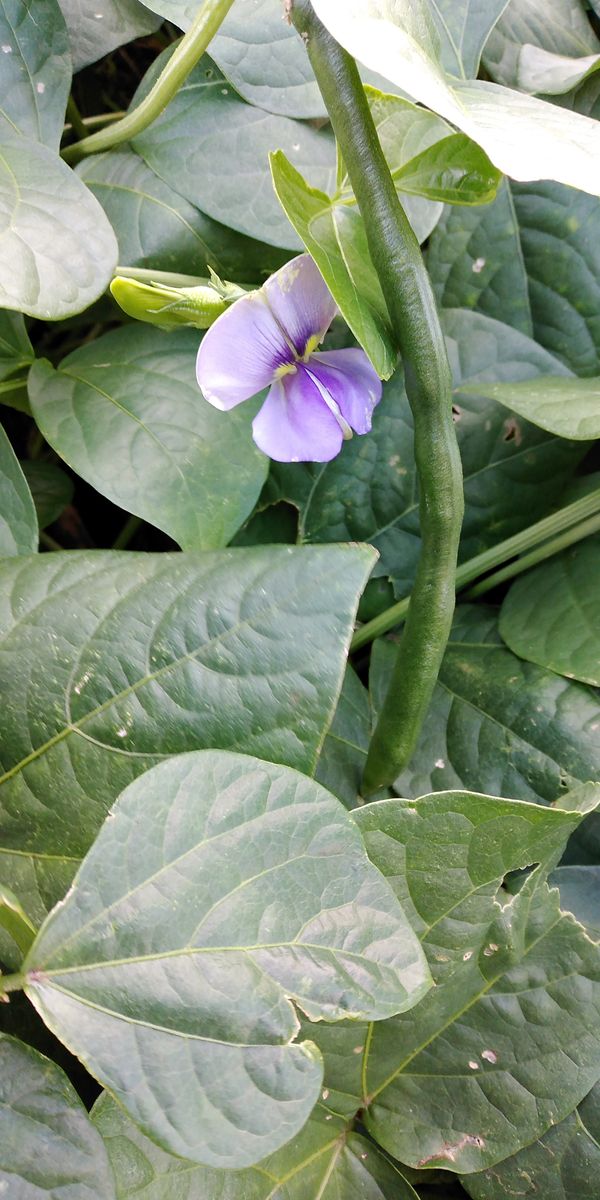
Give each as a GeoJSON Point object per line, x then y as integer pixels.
{"type": "Point", "coordinates": [270, 337]}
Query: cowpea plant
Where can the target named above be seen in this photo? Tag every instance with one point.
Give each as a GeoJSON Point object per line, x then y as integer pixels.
{"type": "Point", "coordinates": [299, 343]}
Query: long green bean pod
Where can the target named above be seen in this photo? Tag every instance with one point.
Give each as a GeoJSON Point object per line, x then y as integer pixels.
{"type": "Point", "coordinates": [397, 259]}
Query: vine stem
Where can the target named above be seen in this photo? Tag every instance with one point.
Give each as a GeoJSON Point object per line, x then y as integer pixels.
{"type": "Point", "coordinates": [467, 572]}
{"type": "Point", "coordinates": [185, 56]}
{"type": "Point", "coordinates": [546, 550]}
{"type": "Point", "coordinates": [397, 259]}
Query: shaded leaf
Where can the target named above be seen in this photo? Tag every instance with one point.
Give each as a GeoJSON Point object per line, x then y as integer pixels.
{"type": "Point", "coordinates": [99, 27]}
{"type": "Point", "coordinates": [541, 50]}
{"type": "Point", "coordinates": [551, 614]}
{"type": "Point", "coordinates": [48, 1145]}
{"type": "Point", "coordinates": [343, 755]}
{"type": "Point", "coordinates": [36, 70]}
{"type": "Point", "coordinates": [57, 249]}
{"type": "Point", "coordinates": [156, 227]}
{"type": "Point", "coordinates": [126, 413]}
{"type": "Point", "coordinates": [18, 523]}
{"type": "Point", "coordinates": [498, 724]}
{"type": "Point", "coordinates": [112, 661]}
{"type": "Point", "coordinates": [464, 27]}
{"type": "Point", "coordinates": [16, 351]}
{"type": "Point", "coordinates": [205, 128]}
{"type": "Point", "coordinates": [250, 887]}
{"type": "Point", "coordinates": [51, 489]}
{"type": "Point", "coordinates": [563, 1165]}
{"type": "Point", "coordinates": [15, 921]}
{"type": "Point", "coordinates": [579, 888]}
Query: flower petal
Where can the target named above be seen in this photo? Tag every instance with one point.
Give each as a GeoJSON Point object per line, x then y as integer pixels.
{"type": "Point", "coordinates": [301, 302]}
{"type": "Point", "coordinates": [351, 381]}
{"type": "Point", "coordinates": [241, 352]}
{"type": "Point", "coordinates": [294, 423]}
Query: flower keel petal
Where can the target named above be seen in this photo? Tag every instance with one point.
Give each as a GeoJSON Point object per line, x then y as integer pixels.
{"type": "Point", "coordinates": [294, 423]}
{"type": "Point", "coordinates": [351, 381]}
{"type": "Point", "coordinates": [301, 302]}
{"type": "Point", "coordinates": [241, 352]}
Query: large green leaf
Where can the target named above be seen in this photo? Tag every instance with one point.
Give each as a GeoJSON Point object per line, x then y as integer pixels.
{"type": "Point", "coordinates": [532, 258]}
{"type": "Point", "coordinates": [525, 137]}
{"type": "Point", "coordinates": [113, 661]}
{"type": "Point", "coordinates": [36, 70]}
{"type": "Point", "coordinates": [568, 407]}
{"type": "Point", "coordinates": [206, 128]}
{"type": "Point", "coordinates": [464, 27]}
{"type": "Point", "coordinates": [551, 615]}
{"type": "Point", "coordinates": [563, 1165]}
{"type": "Point", "coordinates": [475, 261]}
{"type": "Point", "coordinates": [125, 412]}
{"type": "Point", "coordinates": [324, 1162]}
{"type": "Point", "coordinates": [18, 522]}
{"type": "Point", "coordinates": [496, 723]}
{"type": "Point", "coordinates": [57, 249]}
{"type": "Point", "coordinates": [156, 227]}
{"type": "Point", "coordinates": [513, 471]}
{"type": "Point", "coordinates": [16, 351]}
{"type": "Point", "coordinates": [541, 49]}
{"type": "Point", "coordinates": [51, 489]}
{"type": "Point", "coordinates": [506, 1043]}
{"type": "Point", "coordinates": [48, 1145]}
{"type": "Point", "coordinates": [170, 967]}
{"type": "Point", "coordinates": [99, 27]}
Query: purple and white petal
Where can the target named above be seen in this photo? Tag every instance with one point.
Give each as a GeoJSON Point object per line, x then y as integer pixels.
{"type": "Point", "coordinates": [301, 302]}
{"type": "Point", "coordinates": [352, 383]}
{"type": "Point", "coordinates": [241, 352]}
{"type": "Point", "coordinates": [294, 423]}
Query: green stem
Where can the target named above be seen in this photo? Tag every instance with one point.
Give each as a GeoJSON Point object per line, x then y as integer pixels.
{"type": "Point", "coordinates": [184, 58]}
{"type": "Point", "coordinates": [76, 119]}
{"type": "Point", "coordinates": [88, 123]}
{"type": "Point", "coordinates": [128, 531]}
{"type": "Point", "coordinates": [396, 256]}
{"type": "Point", "coordinates": [546, 550]}
{"type": "Point", "coordinates": [48, 541]}
{"type": "Point", "coordinates": [12, 983]}
{"type": "Point", "coordinates": [486, 561]}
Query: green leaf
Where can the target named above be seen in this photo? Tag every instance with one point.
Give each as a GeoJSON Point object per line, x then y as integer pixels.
{"type": "Point", "coordinates": [51, 488]}
{"type": "Point", "coordinates": [579, 888]}
{"type": "Point", "coordinates": [498, 724]}
{"type": "Point", "coordinates": [514, 472]}
{"type": "Point", "coordinates": [551, 614]}
{"type": "Point", "coordinates": [16, 351]}
{"type": "Point", "coordinates": [250, 883]}
{"type": "Point", "coordinates": [112, 661]}
{"type": "Point", "coordinates": [15, 921]}
{"type": "Point", "coordinates": [99, 27]}
{"type": "Point", "coordinates": [568, 407]}
{"type": "Point", "coordinates": [205, 128]}
{"type": "Point", "coordinates": [343, 756]}
{"type": "Point", "coordinates": [453, 171]}
{"type": "Point", "coordinates": [157, 228]}
{"type": "Point", "coordinates": [48, 1145]}
{"type": "Point", "coordinates": [541, 50]}
{"type": "Point", "coordinates": [125, 412]}
{"type": "Point", "coordinates": [506, 1044]}
{"type": "Point", "coordinates": [464, 27]}
{"type": "Point", "coordinates": [57, 250]}
{"type": "Point", "coordinates": [325, 1160]}
{"type": "Point", "coordinates": [36, 70]}
{"type": "Point", "coordinates": [18, 522]}
{"type": "Point", "coordinates": [563, 1165]}
{"type": "Point", "coordinates": [525, 138]}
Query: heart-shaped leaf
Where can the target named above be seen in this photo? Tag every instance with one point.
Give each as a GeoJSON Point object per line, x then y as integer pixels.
{"type": "Point", "coordinates": [57, 249]}
{"type": "Point", "coordinates": [110, 662]}
{"type": "Point", "coordinates": [126, 413]}
{"type": "Point", "coordinates": [48, 1145]}
{"type": "Point", "coordinates": [220, 888]}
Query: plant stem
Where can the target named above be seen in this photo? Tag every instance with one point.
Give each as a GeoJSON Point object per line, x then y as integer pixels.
{"type": "Point", "coordinates": [397, 258]}
{"type": "Point", "coordinates": [12, 983]}
{"type": "Point", "coordinates": [91, 122]}
{"type": "Point", "coordinates": [184, 58]}
{"type": "Point", "coordinates": [495, 556]}
{"type": "Point", "coordinates": [546, 550]}
{"type": "Point", "coordinates": [48, 541]}
{"type": "Point", "coordinates": [128, 531]}
{"type": "Point", "coordinates": [76, 119]}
